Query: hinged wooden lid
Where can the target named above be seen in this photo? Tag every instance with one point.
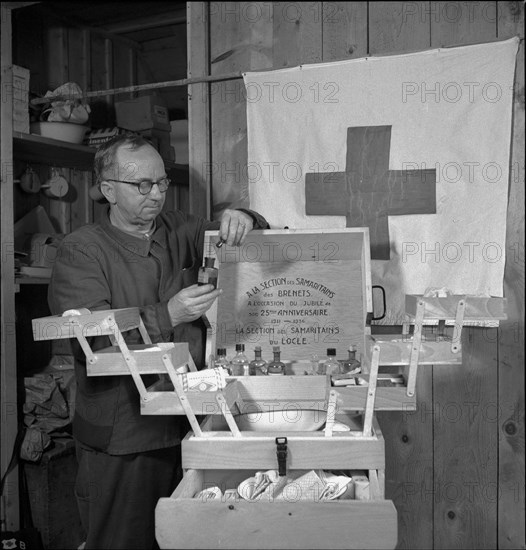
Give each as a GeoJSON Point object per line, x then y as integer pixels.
{"type": "Point", "coordinates": [302, 290]}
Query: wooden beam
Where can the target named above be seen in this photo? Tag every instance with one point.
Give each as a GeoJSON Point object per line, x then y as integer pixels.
{"type": "Point", "coordinates": [8, 371]}
{"type": "Point", "coordinates": [141, 87]}
{"type": "Point", "coordinates": [95, 30]}
{"type": "Point", "coordinates": [151, 22]}
{"type": "Point", "coordinates": [510, 341]}
{"type": "Point", "coordinates": [16, 5]}
{"type": "Point", "coordinates": [198, 108]}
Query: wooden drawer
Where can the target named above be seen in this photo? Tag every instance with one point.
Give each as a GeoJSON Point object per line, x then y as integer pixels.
{"type": "Point", "coordinates": [186, 522]}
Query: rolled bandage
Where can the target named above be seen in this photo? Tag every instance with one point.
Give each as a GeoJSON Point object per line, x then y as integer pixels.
{"type": "Point", "coordinates": [81, 311]}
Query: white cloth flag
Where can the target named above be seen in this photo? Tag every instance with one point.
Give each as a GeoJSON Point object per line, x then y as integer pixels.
{"type": "Point", "coordinates": [414, 146]}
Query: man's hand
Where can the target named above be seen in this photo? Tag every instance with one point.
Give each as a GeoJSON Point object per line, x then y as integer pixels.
{"type": "Point", "coordinates": [235, 226]}
{"type": "Point", "coordinates": [191, 302]}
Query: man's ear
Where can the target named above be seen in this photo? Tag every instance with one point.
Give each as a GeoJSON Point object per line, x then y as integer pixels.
{"type": "Point", "coordinates": [108, 190]}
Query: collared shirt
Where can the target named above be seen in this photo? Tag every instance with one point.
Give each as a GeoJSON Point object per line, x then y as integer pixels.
{"type": "Point", "coordinates": [101, 267]}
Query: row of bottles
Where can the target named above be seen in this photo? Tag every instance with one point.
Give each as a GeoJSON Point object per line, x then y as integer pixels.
{"type": "Point", "coordinates": [240, 365]}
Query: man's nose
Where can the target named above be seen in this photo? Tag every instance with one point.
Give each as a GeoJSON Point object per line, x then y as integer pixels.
{"type": "Point", "coordinates": [155, 193]}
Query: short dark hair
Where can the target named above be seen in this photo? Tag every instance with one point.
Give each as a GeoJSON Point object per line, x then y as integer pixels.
{"type": "Point", "coordinates": [106, 152]}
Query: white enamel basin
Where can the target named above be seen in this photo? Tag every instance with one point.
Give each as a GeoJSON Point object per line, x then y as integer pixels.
{"type": "Point", "coordinates": [288, 420]}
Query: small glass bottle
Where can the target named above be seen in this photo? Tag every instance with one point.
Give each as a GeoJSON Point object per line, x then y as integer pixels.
{"type": "Point", "coordinates": [222, 361]}
{"type": "Point", "coordinates": [240, 361]}
{"type": "Point", "coordinates": [258, 365]}
{"type": "Point", "coordinates": [276, 366]}
{"type": "Point", "coordinates": [208, 273]}
{"type": "Point", "coordinates": [350, 364]}
{"type": "Point", "coordinates": [331, 364]}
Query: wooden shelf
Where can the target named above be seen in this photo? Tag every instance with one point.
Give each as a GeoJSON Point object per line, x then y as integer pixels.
{"type": "Point", "coordinates": [53, 152]}
{"type": "Point", "coordinates": [31, 281]}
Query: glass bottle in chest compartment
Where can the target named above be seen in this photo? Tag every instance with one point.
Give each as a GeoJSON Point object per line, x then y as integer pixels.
{"type": "Point", "coordinates": [276, 366]}
{"type": "Point", "coordinates": [208, 273]}
{"type": "Point", "coordinates": [258, 365]}
{"type": "Point", "coordinates": [351, 363]}
{"type": "Point", "coordinates": [240, 363]}
{"type": "Point", "coordinates": [222, 361]}
{"type": "Point", "coordinates": [331, 364]}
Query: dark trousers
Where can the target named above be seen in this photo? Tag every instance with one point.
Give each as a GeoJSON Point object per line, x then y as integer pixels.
{"type": "Point", "coordinates": [117, 495]}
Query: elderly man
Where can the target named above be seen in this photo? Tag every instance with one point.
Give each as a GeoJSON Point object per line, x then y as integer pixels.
{"type": "Point", "coordinates": [137, 256]}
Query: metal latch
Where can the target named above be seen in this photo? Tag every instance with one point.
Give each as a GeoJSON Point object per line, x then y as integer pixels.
{"type": "Point", "coordinates": [281, 443]}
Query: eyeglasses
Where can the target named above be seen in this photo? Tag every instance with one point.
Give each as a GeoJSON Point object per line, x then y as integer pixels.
{"type": "Point", "coordinates": [145, 186]}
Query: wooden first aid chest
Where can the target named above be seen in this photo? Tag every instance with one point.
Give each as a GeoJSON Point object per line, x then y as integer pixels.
{"type": "Point", "coordinates": [304, 291]}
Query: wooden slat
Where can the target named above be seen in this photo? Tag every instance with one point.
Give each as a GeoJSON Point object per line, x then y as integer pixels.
{"type": "Point", "coordinates": [398, 27]}
{"type": "Point", "coordinates": [409, 465]}
{"type": "Point", "coordinates": [344, 31]}
{"type": "Point", "coordinates": [465, 446]}
{"type": "Point", "coordinates": [124, 68]}
{"type": "Point", "coordinates": [454, 23]}
{"type": "Point", "coordinates": [100, 79]}
{"type": "Point", "coordinates": [55, 327]}
{"type": "Point", "coordinates": [202, 403]}
{"type": "Point", "coordinates": [8, 370]}
{"type": "Point", "coordinates": [478, 308]}
{"type": "Point", "coordinates": [396, 350]}
{"type": "Point", "coordinates": [241, 40]}
{"type": "Point", "coordinates": [198, 109]}
{"type": "Point", "coordinates": [409, 440]}
{"type": "Point", "coordinates": [297, 33]}
{"type": "Point", "coordinates": [110, 361]}
{"type": "Point", "coordinates": [359, 524]}
{"type": "Point", "coordinates": [304, 451]}
{"type": "Point", "coordinates": [387, 399]}
{"type": "Point", "coordinates": [511, 527]}
{"type": "Point", "coordinates": [57, 70]}
{"type": "Point", "coordinates": [291, 388]}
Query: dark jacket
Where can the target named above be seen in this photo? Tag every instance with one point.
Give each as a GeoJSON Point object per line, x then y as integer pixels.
{"type": "Point", "coordinates": [101, 267]}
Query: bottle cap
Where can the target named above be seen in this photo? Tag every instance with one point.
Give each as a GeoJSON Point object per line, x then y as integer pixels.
{"type": "Point", "coordinates": [331, 351]}
{"type": "Point", "coordinates": [209, 262]}
{"type": "Point", "coordinates": [275, 348]}
{"type": "Point", "coordinates": [240, 347]}
{"type": "Point", "coordinates": [257, 348]}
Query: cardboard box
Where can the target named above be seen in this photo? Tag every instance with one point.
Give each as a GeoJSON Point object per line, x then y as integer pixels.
{"type": "Point", "coordinates": [21, 99]}
{"type": "Point", "coordinates": [20, 83]}
{"type": "Point", "coordinates": [142, 113]}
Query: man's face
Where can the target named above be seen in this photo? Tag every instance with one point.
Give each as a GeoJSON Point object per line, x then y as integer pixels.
{"type": "Point", "coordinates": [133, 166]}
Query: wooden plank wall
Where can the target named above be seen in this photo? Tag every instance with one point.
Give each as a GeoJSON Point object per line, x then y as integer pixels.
{"type": "Point", "coordinates": [455, 467]}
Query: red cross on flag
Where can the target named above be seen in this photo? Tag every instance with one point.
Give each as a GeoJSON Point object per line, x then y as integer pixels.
{"type": "Point", "coordinates": [414, 146]}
